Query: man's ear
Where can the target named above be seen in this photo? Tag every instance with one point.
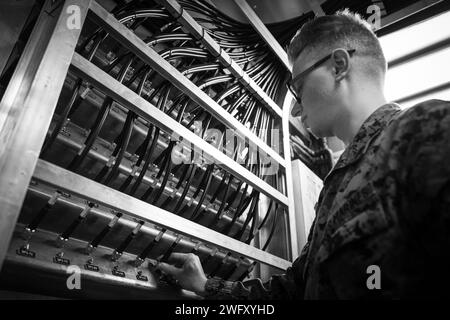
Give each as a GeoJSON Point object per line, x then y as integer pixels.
{"type": "Point", "coordinates": [341, 63]}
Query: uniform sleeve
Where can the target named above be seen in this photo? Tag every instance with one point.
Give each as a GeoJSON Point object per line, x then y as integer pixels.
{"type": "Point", "coordinates": [424, 148]}
{"type": "Point", "coordinates": [424, 176]}
{"type": "Point", "coordinates": [423, 139]}
{"type": "Point", "coordinates": [286, 286]}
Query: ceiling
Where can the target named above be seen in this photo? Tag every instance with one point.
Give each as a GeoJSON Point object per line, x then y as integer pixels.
{"type": "Point", "coordinates": [268, 11]}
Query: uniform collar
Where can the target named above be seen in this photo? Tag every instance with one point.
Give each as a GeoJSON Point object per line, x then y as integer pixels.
{"type": "Point", "coordinates": [369, 130]}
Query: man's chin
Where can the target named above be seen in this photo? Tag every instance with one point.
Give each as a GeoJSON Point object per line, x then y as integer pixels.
{"type": "Point", "coordinates": [317, 133]}
{"type": "Point", "coordinates": [313, 132]}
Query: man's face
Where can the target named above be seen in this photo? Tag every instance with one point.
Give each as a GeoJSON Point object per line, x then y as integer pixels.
{"type": "Point", "coordinates": [317, 91]}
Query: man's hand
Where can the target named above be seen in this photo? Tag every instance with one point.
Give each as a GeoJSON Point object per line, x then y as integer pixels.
{"type": "Point", "coordinates": [187, 269]}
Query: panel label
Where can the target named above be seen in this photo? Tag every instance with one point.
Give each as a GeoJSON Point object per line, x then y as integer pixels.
{"type": "Point", "coordinates": [26, 253]}
{"type": "Point", "coordinates": [62, 261]}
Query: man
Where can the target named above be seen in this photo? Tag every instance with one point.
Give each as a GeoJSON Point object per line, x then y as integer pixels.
{"type": "Point", "coordinates": [385, 206]}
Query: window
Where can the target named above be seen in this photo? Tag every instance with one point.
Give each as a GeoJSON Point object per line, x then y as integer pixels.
{"type": "Point", "coordinates": [426, 76]}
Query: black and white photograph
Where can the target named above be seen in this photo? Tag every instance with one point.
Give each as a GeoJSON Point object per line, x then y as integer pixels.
{"type": "Point", "coordinates": [222, 158]}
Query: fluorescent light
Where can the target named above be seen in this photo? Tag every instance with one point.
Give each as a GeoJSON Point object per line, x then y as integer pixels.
{"type": "Point", "coordinates": [441, 95]}
{"type": "Point", "coordinates": [424, 72]}
{"type": "Point", "coordinates": [418, 75]}
{"type": "Point", "coordinates": [415, 37]}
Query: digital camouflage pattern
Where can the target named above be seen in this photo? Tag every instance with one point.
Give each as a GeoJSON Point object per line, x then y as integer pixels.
{"type": "Point", "coordinates": [386, 202]}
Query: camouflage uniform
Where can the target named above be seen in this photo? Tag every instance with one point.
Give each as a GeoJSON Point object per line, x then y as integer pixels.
{"type": "Point", "coordinates": [386, 203]}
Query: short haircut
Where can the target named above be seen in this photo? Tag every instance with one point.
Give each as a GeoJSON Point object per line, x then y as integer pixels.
{"type": "Point", "coordinates": [344, 29]}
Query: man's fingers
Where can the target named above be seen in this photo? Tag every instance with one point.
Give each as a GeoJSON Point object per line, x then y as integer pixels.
{"type": "Point", "coordinates": [178, 258]}
{"type": "Point", "coordinates": [167, 268]}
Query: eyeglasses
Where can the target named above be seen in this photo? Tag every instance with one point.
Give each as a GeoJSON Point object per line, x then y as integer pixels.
{"type": "Point", "coordinates": [303, 74]}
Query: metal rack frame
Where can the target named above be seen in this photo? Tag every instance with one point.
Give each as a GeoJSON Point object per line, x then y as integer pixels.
{"type": "Point", "coordinates": [30, 100]}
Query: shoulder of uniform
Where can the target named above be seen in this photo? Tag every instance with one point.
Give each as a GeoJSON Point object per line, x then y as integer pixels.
{"type": "Point", "coordinates": [426, 110]}
{"type": "Point", "coordinates": [416, 127]}
{"type": "Point", "coordinates": [420, 141]}
{"type": "Point", "coordinates": [423, 118]}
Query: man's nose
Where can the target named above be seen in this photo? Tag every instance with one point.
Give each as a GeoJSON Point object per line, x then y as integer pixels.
{"type": "Point", "coordinates": [297, 110]}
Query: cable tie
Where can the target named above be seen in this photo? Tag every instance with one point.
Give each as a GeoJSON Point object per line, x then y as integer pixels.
{"type": "Point", "coordinates": [219, 54]}
{"type": "Point", "coordinates": [202, 35]}
{"type": "Point", "coordinates": [241, 75]}
{"type": "Point", "coordinates": [227, 64]}
{"type": "Point", "coordinates": [180, 14]}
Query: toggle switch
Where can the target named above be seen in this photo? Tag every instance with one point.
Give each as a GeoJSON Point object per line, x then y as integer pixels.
{"type": "Point", "coordinates": [144, 254]}
{"type": "Point", "coordinates": [119, 251]}
{"type": "Point", "coordinates": [94, 243]}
